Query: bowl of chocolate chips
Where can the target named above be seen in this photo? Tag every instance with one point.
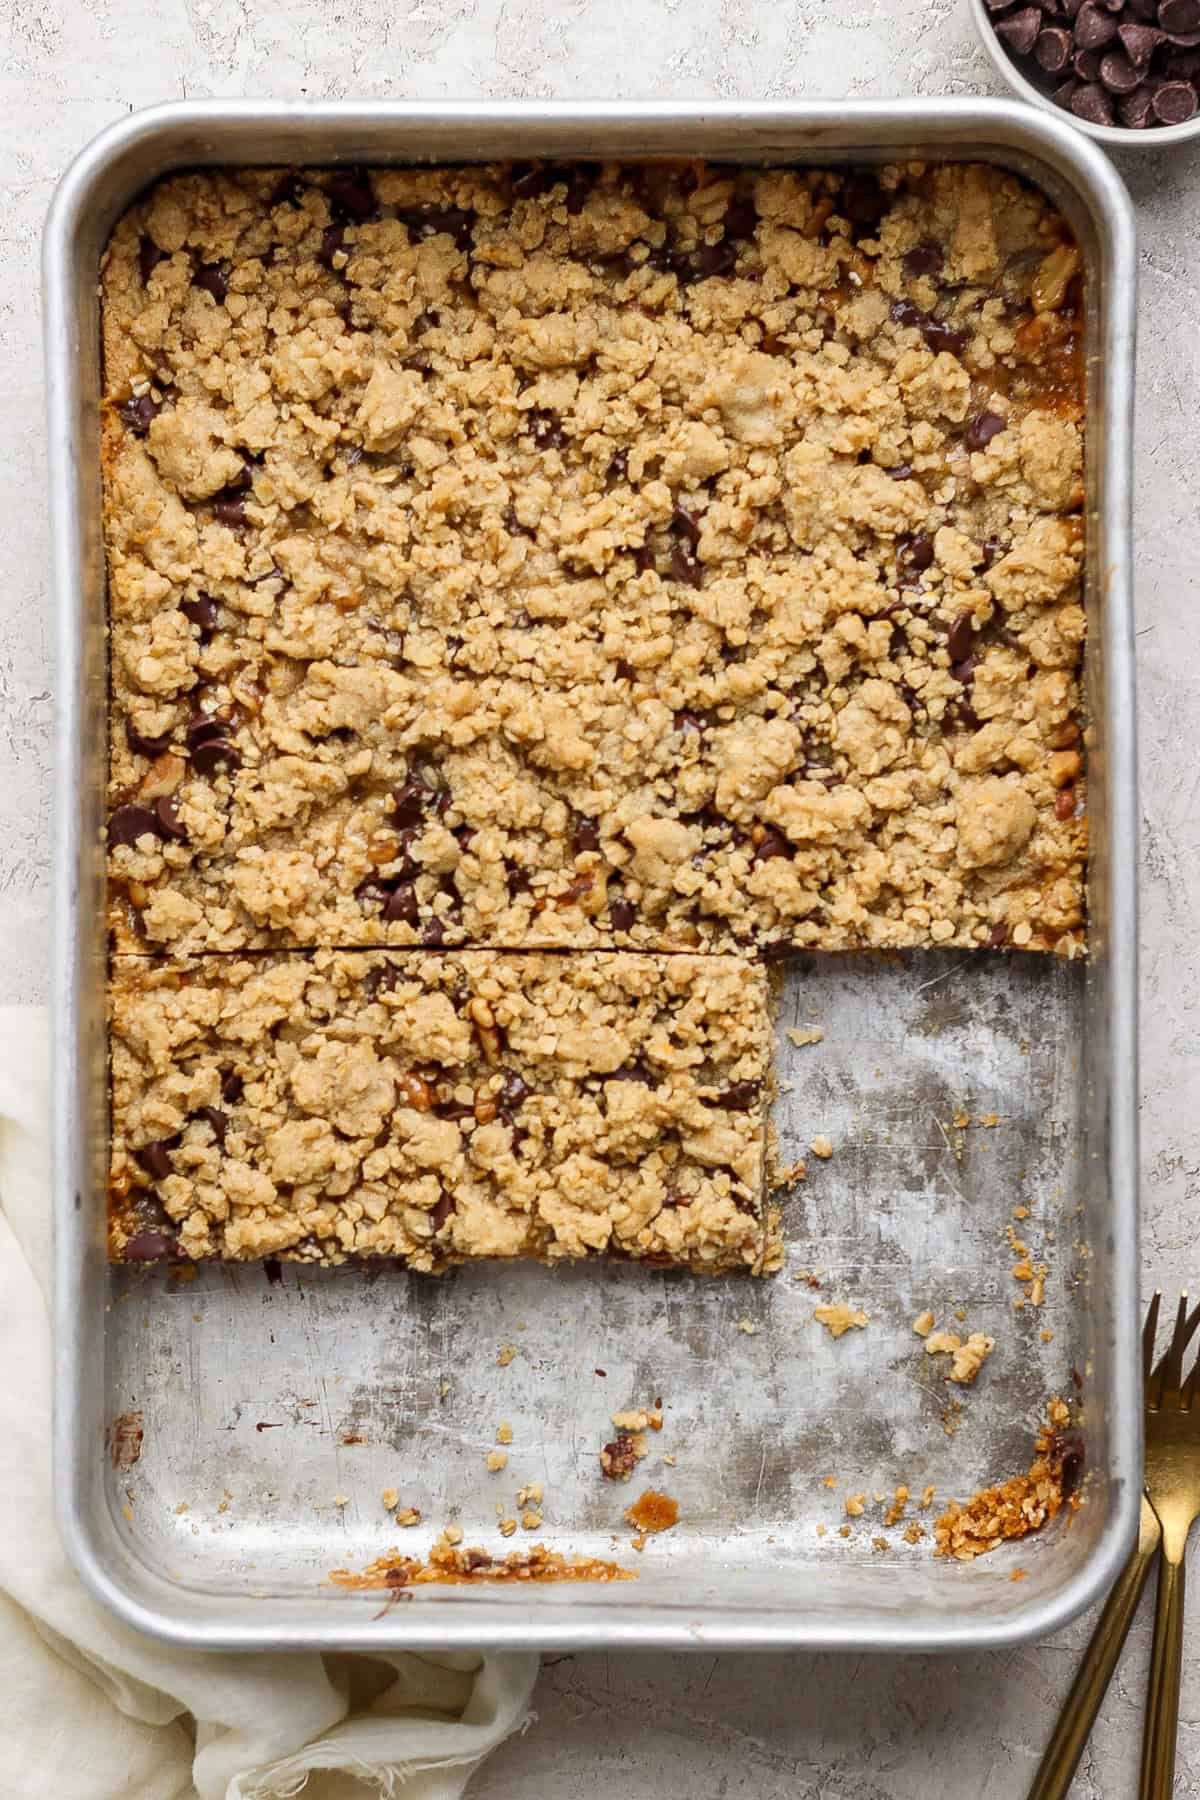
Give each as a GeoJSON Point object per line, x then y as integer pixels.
{"type": "Point", "coordinates": [1124, 71]}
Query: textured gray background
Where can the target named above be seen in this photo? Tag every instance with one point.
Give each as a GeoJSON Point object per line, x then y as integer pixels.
{"type": "Point", "coordinates": [706, 1727]}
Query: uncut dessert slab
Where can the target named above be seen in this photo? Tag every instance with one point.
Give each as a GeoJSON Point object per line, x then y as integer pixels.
{"type": "Point", "coordinates": [589, 555]}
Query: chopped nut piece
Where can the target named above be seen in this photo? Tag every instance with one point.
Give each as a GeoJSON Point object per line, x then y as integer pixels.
{"type": "Point", "coordinates": [496, 1460]}
{"type": "Point", "coordinates": [801, 1039]}
{"type": "Point", "coordinates": [507, 1527]}
{"type": "Point", "coordinates": [923, 1324]}
{"type": "Point", "coordinates": [747, 1327]}
{"type": "Point", "coordinates": [390, 1498]}
{"type": "Point", "coordinates": [821, 1147]}
{"type": "Point", "coordinates": [970, 1357]}
{"type": "Point", "coordinates": [504, 1433]}
{"type": "Point", "coordinates": [619, 1458]}
{"type": "Point", "coordinates": [505, 1354]}
{"type": "Point", "coordinates": [855, 1505]}
{"type": "Point", "coordinates": [530, 1520]}
{"type": "Point", "coordinates": [452, 1534]}
{"type": "Point", "coordinates": [408, 1515]}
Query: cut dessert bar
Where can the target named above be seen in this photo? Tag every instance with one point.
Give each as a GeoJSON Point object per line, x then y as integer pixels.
{"type": "Point", "coordinates": [438, 1107]}
{"type": "Point", "coordinates": [661, 557]}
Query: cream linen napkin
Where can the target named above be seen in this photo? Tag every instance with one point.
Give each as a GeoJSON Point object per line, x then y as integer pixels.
{"type": "Point", "coordinates": [90, 1710]}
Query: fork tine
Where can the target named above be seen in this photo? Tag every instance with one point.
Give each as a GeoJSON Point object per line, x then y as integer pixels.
{"type": "Point", "coordinates": [1149, 1333]}
{"type": "Point", "coordinates": [1191, 1387]}
{"type": "Point", "coordinates": [1173, 1361]}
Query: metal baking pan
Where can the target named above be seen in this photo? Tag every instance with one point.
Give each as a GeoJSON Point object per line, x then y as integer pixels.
{"type": "Point", "coordinates": [223, 1534]}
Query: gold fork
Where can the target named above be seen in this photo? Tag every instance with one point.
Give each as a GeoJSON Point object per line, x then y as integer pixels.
{"type": "Point", "coordinates": [1173, 1483]}
{"type": "Point", "coordinates": [1057, 1767]}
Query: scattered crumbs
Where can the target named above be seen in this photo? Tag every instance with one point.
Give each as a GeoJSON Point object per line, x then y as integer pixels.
{"type": "Point", "coordinates": [618, 1458]}
{"type": "Point", "coordinates": [1014, 1508]}
{"type": "Point", "coordinates": [127, 1513]}
{"type": "Point", "coordinates": [961, 1120]}
{"type": "Point", "coordinates": [641, 1418]}
{"type": "Point", "coordinates": [1046, 1335]}
{"type": "Point", "coordinates": [532, 1494]}
{"type": "Point", "coordinates": [1020, 1212]}
{"type": "Point", "coordinates": [829, 1482]}
{"type": "Point", "coordinates": [878, 1498]}
{"type": "Point", "coordinates": [507, 1527]}
{"type": "Point", "coordinates": [801, 1038]}
{"type": "Point", "coordinates": [530, 1519]}
{"type": "Point", "coordinates": [960, 1313]}
{"type": "Point", "coordinates": [792, 1175]}
{"type": "Point", "coordinates": [1017, 1575]}
{"type": "Point", "coordinates": [807, 1275]}
{"type": "Point", "coordinates": [181, 1508]}
{"type": "Point", "coordinates": [970, 1357]}
{"type": "Point", "coordinates": [341, 1499]}
{"type": "Point", "coordinates": [497, 1460]}
{"type": "Point", "coordinates": [670, 1461]}
{"type": "Point", "coordinates": [950, 1418]}
{"type": "Point", "coordinates": [895, 1511]}
{"type": "Point", "coordinates": [601, 1372]}
{"type": "Point", "coordinates": [521, 1325]}
{"type": "Point", "coordinates": [839, 1319]}
{"type": "Point", "coordinates": [913, 1533]}
{"type": "Point", "coordinates": [452, 1534]}
{"type": "Point", "coordinates": [504, 1433]}
{"type": "Point", "coordinates": [443, 1388]}
{"type": "Point", "coordinates": [855, 1505]}
{"type": "Point", "coordinates": [879, 1543]}
{"type": "Point", "coordinates": [989, 1120]}
{"type": "Point", "coordinates": [923, 1324]}
{"type": "Point", "coordinates": [652, 1512]}
{"type": "Point", "coordinates": [390, 1497]}
{"type": "Point", "coordinates": [844, 1531]}
{"type": "Point", "coordinates": [505, 1354]}
{"type": "Point", "coordinates": [223, 1506]}
{"type": "Point", "coordinates": [821, 1530]}
{"type": "Point", "coordinates": [747, 1327]}
{"type": "Point", "coordinates": [938, 1341]}
{"type": "Point", "coordinates": [927, 1497]}
{"type": "Point", "coordinates": [408, 1515]}
{"type": "Point", "coordinates": [821, 1147]}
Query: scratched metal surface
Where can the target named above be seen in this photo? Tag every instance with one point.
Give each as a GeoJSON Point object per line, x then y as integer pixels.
{"type": "Point", "coordinates": [222, 1533]}
{"type": "Point", "coordinates": [275, 1415]}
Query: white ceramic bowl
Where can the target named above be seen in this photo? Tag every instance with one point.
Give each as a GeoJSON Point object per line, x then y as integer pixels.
{"type": "Point", "coordinates": [1156, 137]}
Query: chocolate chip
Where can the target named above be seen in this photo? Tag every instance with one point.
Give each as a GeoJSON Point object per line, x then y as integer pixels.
{"type": "Point", "coordinates": [203, 726]}
{"type": "Point", "coordinates": [155, 1157]}
{"type": "Point", "coordinates": [445, 1204]}
{"type": "Point", "coordinates": [1174, 103]}
{"type": "Point", "coordinates": [232, 1087]}
{"type": "Point", "coordinates": [433, 935]}
{"type": "Point", "coordinates": [862, 200]}
{"type": "Point", "coordinates": [272, 1270]}
{"type": "Point", "coordinates": [960, 639]}
{"type": "Point", "coordinates": [518, 882]}
{"type": "Point", "coordinates": [400, 906]}
{"type": "Point", "coordinates": [1139, 42]}
{"type": "Point", "coordinates": [1072, 1456]}
{"type": "Point", "coordinates": [686, 524]}
{"type": "Point", "coordinates": [622, 913]}
{"type": "Point", "coordinates": [514, 1091]}
{"type": "Point", "coordinates": [1144, 9]}
{"type": "Point", "coordinates": [1053, 49]}
{"type": "Point", "coordinates": [586, 837]}
{"type": "Point", "coordinates": [900, 471]}
{"type": "Point", "coordinates": [145, 746]}
{"type": "Point", "coordinates": [409, 802]}
{"type": "Point", "coordinates": [1094, 27]}
{"type": "Point", "coordinates": [740, 221]}
{"type": "Point", "coordinates": [1093, 104]}
{"type": "Point", "coordinates": [129, 823]}
{"type": "Point", "coordinates": [166, 814]}
{"type": "Point", "coordinates": [1020, 30]}
{"type": "Point", "coordinates": [964, 671]}
{"type": "Point", "coordinates": [139, 413]}
{"type": "Point", "coordinates": [1062, 94]}
{"type": "Point", "coordinates": [915, 552]}
{"type": "Point", "coordinates": [579, 185]}
{"type": "Point", "coordinates": [351, 196]}
{"type": "Point", "coordinates": [1181, 65]}
{"type": "Point", "coordinates": [716, 259]}
{"type": "Point", "coordinates": [214, 755]}
{"type": "Point", "coordinates": [333, 241]}
{"type": "Point", "coordinates": [230, 510]}
{"type": "Point", "coordinates": [1086, 64]}
{"type": "Point", "coordinates": [203, 612]}
{"type": "Point", "coordinates": [150, 1246]}
{"type": "Point", "coordinates": [149, 257]}
{"type": "Point", "coordinates": [941, 336]}
{"type": "Point", "coordinates": [983, 429]}
{"type": "Point", "coordinates": [1136, 110]}
{"type": "Point", "coordinates": [1179, 16]}
{"type": "Point", "coordinates": [904, 312]}
{"type": "Point", "coordinates": [528, 180]}
{"type": "Point", "coordinates": [216, 1118]}
{"type": "Point", "coordinates": [212, 278]}
{"type": "Point", "coordinates": [689, 722]}
{"type": "Point", "coordinates": [924, 259]}
{"type": "Point", "coordinates": [996, 6]}
{"type": "Point", "coordinates": [643, 559]}
{"type": "Point", "coordinates": [619, 1458]}
{"type": "Point", "coordinates": [1118, 74]}
{"type": "Point", "coordinates": [772, 844]}
{"type": "Point", "coordinates": [685, 568]}
{"type": "Point", "coordinates": [545, 428]}
{"type": "Point", "coordinates": [741, 1097]}
{"type": "Point", "coordinates": [997, 937]}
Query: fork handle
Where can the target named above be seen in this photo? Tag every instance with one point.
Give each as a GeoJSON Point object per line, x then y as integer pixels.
{"type": "Point", "coordinates": [1166, 1664]}
{"type": "Point", "coordinates": [1058, 1765]}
